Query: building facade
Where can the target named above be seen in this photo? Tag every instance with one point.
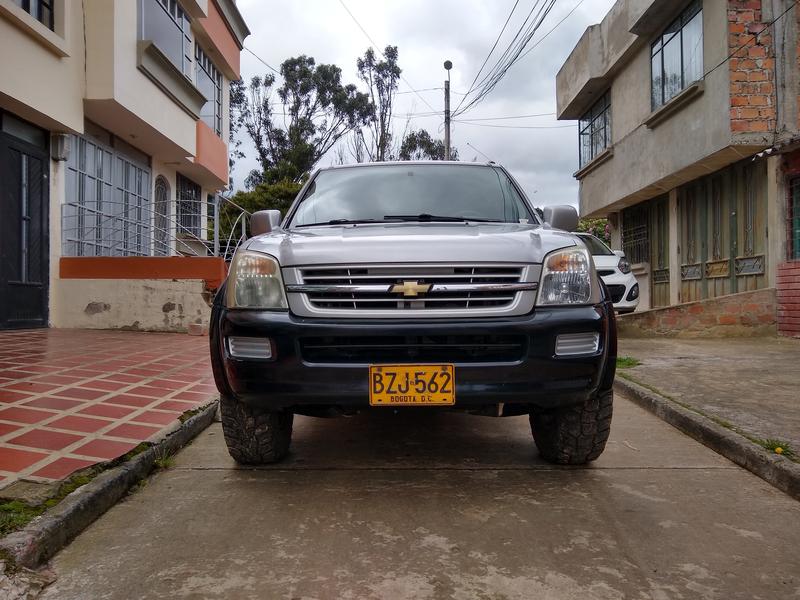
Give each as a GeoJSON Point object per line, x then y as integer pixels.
{"type": "Point", "coordinates": [113, 144]}
{"type": "Point", "coordinates": [687, 112]}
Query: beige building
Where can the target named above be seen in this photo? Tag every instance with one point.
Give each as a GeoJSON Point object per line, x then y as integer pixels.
{"type": "Point", "coordinates": [113, 144]}
{"type": "Point", "coordinates": [684, 108]}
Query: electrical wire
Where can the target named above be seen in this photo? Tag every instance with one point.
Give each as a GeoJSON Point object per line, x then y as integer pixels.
{"type": "Point", "coordinates": [751, 40]}
{"type": "Point", "coordinates": [492, 49]}
{"type": "Point", "coordinates": [516, 126]}
{"type": "Point", "coordinates": [526, 31]}
{"type": "Point", "coordinates": [550, 114]}
{"type": "Point", "coordinates": [369, 37]}
{"type": "Point", "coordinates": [263, 62]}
{"type": "Point", "coordinates": [557, 25]}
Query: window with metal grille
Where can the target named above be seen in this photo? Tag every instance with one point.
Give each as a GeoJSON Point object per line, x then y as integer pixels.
{"type": "Point", "coordinates": [594, 131]}
{"type": "Point", "coordinates": [635, 234]}
{"type": "Point", "coordinates": [189, 208]}
{"type": "Point", "coordinates": [794, 217]}
{"type": "Point", "coordinates": [41, 10]}
{"type": "Point", "coordinates": [107, 210]}
{"type": "Point", "coordinates": [209, 81]}
{"type": "Point", "coordinates": [677, 55]}
{"type": "Point", "coordinates": [161, 228]}
{"type": "Point", "coordinates": [165, 23]}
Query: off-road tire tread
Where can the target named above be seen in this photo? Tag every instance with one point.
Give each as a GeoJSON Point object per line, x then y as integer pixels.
{"type": "Point", "coordinates": [574, 435]}
{"type": "Point", "coordinates": [255, 436]}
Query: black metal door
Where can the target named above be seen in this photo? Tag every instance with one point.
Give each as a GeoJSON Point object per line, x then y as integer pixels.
{"type": "Point", "coordinates": [24, 238]}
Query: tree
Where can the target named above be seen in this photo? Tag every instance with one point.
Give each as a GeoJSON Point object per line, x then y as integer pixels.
{"type": "Point", "coordinates": [318, 110]}
{"type": "Point", "coordinates": [597, 227]}
{"type": "Point", "coordinates": [381, 77]}
{"type": "Point", "coordinates": [419, 145]}
{"type": "Point", "coordinates": [264, 196]}
{"type": "Point", "coordinates": [237, 100]}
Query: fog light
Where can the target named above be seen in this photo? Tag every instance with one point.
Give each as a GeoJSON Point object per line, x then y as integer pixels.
{"type": "Point", "coordinates": [570, 344]}
{"type": "Point", "coordinates": [634, 293]}
{"type": "Point", "coordinates": [250, 347]}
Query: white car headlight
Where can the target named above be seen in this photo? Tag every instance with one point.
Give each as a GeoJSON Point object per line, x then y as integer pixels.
{"type": "Point", "coordinates": [566, 278]}
{"type": "Point", "coordinates": [255, 281]}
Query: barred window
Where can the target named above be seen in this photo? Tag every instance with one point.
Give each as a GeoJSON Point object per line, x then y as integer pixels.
{"type": "Point", "coordinates": [209, 81]}
{"type": "Point", "coordinates": [794, 217]}
{"type": "Point", "coordinates": [107, 212]}
{"type": "Point", "coordinates": [595, 130]}
{"type": "Point", "coordinates": [189, 207]}
{"type": "Point", "coordinates": [635, 234]}
{"type": "Point", "coordinates": [677, 55]}
{"type": "Point", "coordinates": [41, 10]}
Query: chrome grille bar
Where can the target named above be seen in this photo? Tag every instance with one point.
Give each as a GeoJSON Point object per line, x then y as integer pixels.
{"type": "Point", "coordinates": [435, 288]}
{"type": "Point", "coordinates": [431, 290]}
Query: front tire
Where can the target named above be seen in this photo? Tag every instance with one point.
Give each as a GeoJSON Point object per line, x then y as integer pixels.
{"type": "Point", "coordinates": [574, 435]}
{"type": "Point", "coordinates": [255, 436]}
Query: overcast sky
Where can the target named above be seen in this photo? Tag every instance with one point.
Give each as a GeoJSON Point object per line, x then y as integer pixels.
{"type": "Point", "coordinates": [427, 33]}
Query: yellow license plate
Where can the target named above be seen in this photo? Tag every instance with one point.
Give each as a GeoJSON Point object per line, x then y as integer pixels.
{"type": "Point", "coordinates": [412, 385]}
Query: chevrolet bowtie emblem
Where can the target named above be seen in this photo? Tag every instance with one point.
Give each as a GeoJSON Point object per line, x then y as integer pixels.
{"type": "Point", "coordinates": [410, 288]}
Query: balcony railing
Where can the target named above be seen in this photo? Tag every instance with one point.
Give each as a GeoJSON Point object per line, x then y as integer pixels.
{"type": "Point", "coordinates": [120, 228]}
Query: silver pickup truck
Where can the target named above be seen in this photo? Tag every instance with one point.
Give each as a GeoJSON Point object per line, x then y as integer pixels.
{"type": "Point", "coordinates": [414, 286]}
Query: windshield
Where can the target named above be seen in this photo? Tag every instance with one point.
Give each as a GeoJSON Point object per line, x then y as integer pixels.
{"type": "Point", "coordinates": [596, 246]}
{"type": "Point", "coordinates": [413, 192]}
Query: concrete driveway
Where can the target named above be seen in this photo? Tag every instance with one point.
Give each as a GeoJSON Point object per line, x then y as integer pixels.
{"type": "Point", "coordinates": [444, 506]}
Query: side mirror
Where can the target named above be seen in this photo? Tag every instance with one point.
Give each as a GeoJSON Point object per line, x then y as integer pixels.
{"type": "Point", "coordinates": [562, 217]}
{"type": "Point", "coordinates": [619, 253]}
{"type": "Point", "coordinates": [264, 221]}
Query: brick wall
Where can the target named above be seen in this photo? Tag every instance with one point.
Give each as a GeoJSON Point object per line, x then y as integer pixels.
{"type": "Point", "coordinates": [743, 314]}
{"type": "Point", "coordinates": [751, 69]}
{"type": "Point", "coordinates": [788, 286]}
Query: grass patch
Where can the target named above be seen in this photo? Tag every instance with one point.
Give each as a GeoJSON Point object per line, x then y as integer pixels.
{"type": "Point", "coordinates": [626, 362]}
{"type": "Point", "coordinates": [163, 460]}
{"type": "Point", "coordinates": [781, 447]}
{"type": "Point", "coordinates": [15, 514]}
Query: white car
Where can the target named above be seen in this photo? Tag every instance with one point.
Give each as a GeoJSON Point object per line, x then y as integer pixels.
{"type": "Point", "coordinates": [615, 271]}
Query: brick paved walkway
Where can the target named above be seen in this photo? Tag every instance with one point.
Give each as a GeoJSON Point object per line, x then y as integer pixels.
{"type": "Point", "coordinates": [73, 398]}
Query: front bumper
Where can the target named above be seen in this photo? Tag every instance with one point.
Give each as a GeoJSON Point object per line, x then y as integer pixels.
{"type": "Point", "coordinates": [619, 281]}
{"type": "Point", "coordinates": [537, 378]}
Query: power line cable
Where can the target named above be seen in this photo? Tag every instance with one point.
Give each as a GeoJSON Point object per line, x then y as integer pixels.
{"type": "Point", "coordinates": [262, 61]}
{"type": "Point", "coordinates": [494, 46]}
{"type": "Point", "coordinates": [557, 25]}
{"type": "Point", "coordinates": [515, 126]}
{"type": "Point", "coordinates": [550, 114]}
{"type": "Point", "coordinates": [533, 21]}
{"type": "Point", "coordinates": [751, 40]}
{"type": "Point", "coordinates": [377, 47]}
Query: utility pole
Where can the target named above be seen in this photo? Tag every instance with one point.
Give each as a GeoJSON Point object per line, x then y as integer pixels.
{"type": "Point", "coordinates": [447, 65]}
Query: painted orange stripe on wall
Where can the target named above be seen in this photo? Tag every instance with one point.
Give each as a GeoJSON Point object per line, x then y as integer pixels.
{"type": "Point", "coordinates": [211, 269]}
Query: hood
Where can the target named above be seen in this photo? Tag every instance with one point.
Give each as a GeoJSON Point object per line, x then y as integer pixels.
{"type": "Point", "coordinates": [605, 261]}
{"type": "Point", "coordinates": [411, 242]}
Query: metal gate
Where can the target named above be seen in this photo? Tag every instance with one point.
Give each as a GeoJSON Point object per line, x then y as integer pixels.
{"type": "Point", "coordinates": [722, 226]}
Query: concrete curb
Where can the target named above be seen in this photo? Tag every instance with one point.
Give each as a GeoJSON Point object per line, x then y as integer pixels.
{"type": "Point", "coordinates": [776, 470]}
{"type": "Point", "coordinates": [44, 536]}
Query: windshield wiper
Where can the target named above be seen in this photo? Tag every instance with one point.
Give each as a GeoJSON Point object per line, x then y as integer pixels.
{"type": "Point", "coordinates": [426, 218]}
{"type": "Point", "coordinates": [341, 222]}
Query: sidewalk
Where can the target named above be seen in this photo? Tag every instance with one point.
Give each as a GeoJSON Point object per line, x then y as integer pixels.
{"type": "Point", "coordinates": [749, 384]}
{"type": "Point", "coordinates": [70, 399]}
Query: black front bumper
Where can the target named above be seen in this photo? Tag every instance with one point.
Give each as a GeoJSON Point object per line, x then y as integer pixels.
{"type": "Point", "coordinates": [535, 378]}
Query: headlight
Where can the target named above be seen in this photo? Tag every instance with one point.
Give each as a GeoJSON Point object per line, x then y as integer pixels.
{"type": "Point", "coordinates": [566, 278]}
{"type": "Point", "coordinates": [255, 281]}
{"type": "Point", "coordinates": [624, 265]}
